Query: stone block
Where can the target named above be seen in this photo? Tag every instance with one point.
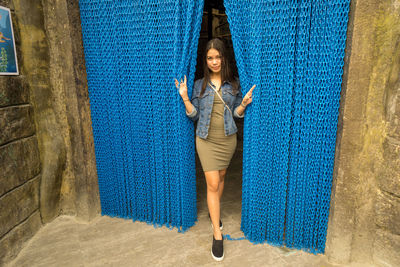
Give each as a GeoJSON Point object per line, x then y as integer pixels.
{"type": "Point", "coordinates": [386, 249]}
{"type": "Point", "coordinates": [19, 162]}
{"type": "Point", "coordinates": [387, 212]}
{"type": "Point", "coordinates": [16, 122]}
{"type": "Point", "coordinates": [13, 241]}
{"type": "Point", "coordinates": [13, 91]}
{"type": "Point", "coordinates": [19, 204]}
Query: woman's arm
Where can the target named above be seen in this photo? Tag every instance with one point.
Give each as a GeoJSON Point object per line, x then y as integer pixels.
{"type": "Point", "coordinates": [241, 104]}
{"type": "Point", "coordinates": [238, 110]}
{"type": "Point", "coordinates": [190, 106]}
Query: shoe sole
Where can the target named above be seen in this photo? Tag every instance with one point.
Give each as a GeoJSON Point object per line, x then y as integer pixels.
{"type": "Point", "coordinates": [220, 228]}
{"type": "Point", "coordinates": [217, 259]}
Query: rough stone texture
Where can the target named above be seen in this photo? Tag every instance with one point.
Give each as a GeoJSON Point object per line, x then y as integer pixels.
{"type": "Point", "coordinates": [387, 213]}
{"type": "Point", "coordinates": [348, 146]}
{"type": "Point", "coordinates": [35, 51]}
{"type": "Point", "coordinates": [16, 122]}
{"type": "Point", "coordinates": [386, 249]}
{"type": "Point", "coordinates": [14, 240]}
{"type": "Point", "coordinates": [19, 158]}
{"type": "Point", "coordinates": [87, 190]}
{"type": "Point", "coordinates": [49, 97]}
{"type": "Point", "coordinates": [61, 80]}
{"type": "Point", "coordinates": [19, 204]}
{"type": "Point", "coordinates": [389, 177]}
{"type": "Point", "coordinates": [392, 98]}
{"type": "Point", "coordinates": [50, 45]}
{"type": "Point", "coordinates": [13, 91]}
{"type": "Point", "coordinates": [19, 162]}
{"type": "Point", "coordinates": [367, 153]}
{"type": "Point", "coordinates": [79, 191]}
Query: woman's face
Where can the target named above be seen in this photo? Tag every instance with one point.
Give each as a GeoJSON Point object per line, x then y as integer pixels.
{"type": "Point", "coordinates": [214, 60]}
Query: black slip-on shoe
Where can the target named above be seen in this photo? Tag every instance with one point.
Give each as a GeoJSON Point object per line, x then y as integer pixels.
{"type": "Point", "coordinates": [217, 249]}
{"type": "Point", "coordinates": [220, 223]}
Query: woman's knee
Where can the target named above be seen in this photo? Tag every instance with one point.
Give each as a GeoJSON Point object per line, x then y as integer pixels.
{"type": "Point", "coordinates": [212, 178]}
{"type": "Point", "coordinates": [213, 185]}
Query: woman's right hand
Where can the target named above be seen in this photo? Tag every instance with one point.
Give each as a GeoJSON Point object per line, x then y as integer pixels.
{"type": "Point", "coordinates": [182, 87]}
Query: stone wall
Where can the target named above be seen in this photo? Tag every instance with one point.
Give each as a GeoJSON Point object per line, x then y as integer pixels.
{"type": "Point", "coordinates": [365, 211]}
{"type": "Point", "coordinates": [20, 165]}
{"type": "Point", "coordinates": [46, 146]}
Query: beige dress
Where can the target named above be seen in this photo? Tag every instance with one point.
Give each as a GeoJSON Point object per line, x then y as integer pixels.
{"type": "Point", "coordinates": [216, 151]}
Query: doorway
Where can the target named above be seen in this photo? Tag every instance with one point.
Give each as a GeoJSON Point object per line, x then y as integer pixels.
{"type": "Point", "coordinates": [215, 25]}
{"type": "Point", "coordinates": [289, 144]}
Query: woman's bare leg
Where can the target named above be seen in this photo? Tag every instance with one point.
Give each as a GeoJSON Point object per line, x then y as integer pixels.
{"type": "Point", "coordinates": [213, 182]}
{"type": "Point", "coordinates": [222, 174]}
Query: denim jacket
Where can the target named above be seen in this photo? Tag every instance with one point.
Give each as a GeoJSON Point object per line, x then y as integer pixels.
{"type": "Point", "coordinates": [202, 107]}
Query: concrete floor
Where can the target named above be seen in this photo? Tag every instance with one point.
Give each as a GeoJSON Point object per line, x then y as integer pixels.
{"type": "Point", "coordinates": [109, 241]}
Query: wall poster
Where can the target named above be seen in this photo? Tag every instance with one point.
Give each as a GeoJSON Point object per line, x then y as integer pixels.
{"type": "Point", "coordinates": [8, 55]}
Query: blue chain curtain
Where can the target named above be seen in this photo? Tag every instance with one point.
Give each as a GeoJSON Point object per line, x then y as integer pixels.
{"type": "Point", "coordinates": [143, 140]}
{"type": "Point", "coordinates": [293, 51]}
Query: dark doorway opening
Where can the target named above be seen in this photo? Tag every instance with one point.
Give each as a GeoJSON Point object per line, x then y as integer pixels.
{"type": "Point", "coordinates": [215, 25]}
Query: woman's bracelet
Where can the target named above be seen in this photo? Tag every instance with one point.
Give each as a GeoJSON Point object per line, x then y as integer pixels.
{"type": "Point", "coordinates": [243, 105]}
{"type": "Point", "coordinates": [185, 99]}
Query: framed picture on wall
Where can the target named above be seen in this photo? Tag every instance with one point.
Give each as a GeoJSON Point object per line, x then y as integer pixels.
{"type": "Point", "coordinates": [8, 55]}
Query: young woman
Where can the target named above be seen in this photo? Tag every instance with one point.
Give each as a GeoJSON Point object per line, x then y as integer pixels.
{"type": "Point", "coordinates": [216, 99]}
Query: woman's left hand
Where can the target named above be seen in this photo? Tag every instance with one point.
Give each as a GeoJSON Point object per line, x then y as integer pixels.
{"type": "Point", "coordinates": [248, 98]}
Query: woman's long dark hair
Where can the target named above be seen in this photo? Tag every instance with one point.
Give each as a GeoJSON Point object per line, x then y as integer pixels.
{"type": "Point", "coordinates": [226, 71]}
